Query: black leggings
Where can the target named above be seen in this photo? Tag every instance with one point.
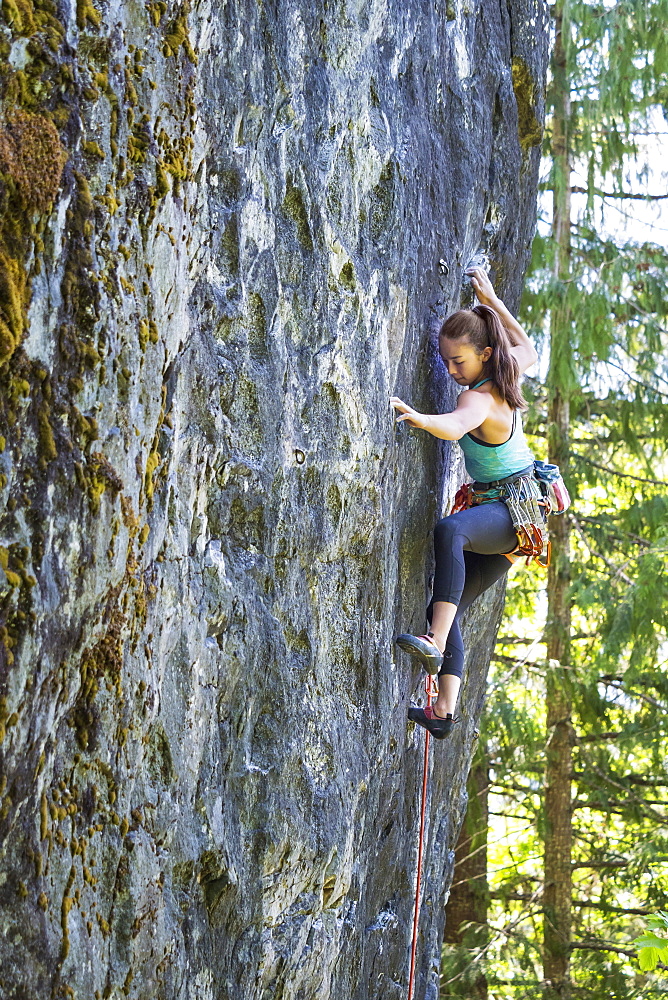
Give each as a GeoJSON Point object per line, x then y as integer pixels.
{"type": "Point", "coordinates": [469, 549]}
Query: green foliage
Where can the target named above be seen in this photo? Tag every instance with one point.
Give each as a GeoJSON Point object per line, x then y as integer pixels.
{"type": "Point", "coordinates": [652, 948]}
{"type": "Point", "coordinates": [614, 369]}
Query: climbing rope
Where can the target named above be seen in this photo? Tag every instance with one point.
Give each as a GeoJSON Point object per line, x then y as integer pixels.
{"type": "Point", "coordinates": [431, 690]}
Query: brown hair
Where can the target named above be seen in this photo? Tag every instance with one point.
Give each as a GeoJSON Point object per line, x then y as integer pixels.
{"type": "Point", "coordinates": [483, 328]}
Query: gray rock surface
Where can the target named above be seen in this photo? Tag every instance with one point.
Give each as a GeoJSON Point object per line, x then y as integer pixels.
{"type": "Point", "coordinates": [211, 530]}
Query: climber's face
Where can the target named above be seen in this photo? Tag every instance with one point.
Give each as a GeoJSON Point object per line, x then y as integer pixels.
{"type": "Point", "coordinates": [463, 362]}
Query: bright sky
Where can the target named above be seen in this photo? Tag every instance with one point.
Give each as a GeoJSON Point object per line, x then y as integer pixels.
{"type": "Point", "coordinates": [632, 219]}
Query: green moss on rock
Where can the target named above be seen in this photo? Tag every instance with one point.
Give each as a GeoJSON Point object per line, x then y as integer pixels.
{"type": "Point", "coordinates": [31, 160]}
{"type": "Point", "coordinates": [177, 36]}
{"type": "Point", "coordinates": [529, 129]}
{"type": "Point", "coordinates": [293, 206]}
{"type": "Point", "coordinates": [31, 165]}
{"type": "Point", "coordinates": [87, 14]}
{"type": "Point", "coordinates": [102, 661]}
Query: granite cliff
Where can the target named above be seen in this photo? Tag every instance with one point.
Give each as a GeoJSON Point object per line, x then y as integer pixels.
{"type": "Point", "coordinates": [220, 239]}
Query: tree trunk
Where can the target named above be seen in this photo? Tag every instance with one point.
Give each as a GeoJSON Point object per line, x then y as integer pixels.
{"type": "Point", "coordinates": [558, 809]}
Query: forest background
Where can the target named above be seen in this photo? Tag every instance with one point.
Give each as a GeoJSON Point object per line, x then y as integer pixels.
{"type": "Point", "coordinates": [563, 859]}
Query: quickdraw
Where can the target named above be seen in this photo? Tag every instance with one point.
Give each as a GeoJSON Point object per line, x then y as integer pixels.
{"type": "Point", "coordinates": [526, 507]}
{"type": "Point", "coordinates": [463, 498]}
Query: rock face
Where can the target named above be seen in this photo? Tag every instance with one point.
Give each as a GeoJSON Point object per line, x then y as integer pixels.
{"type": "Point", "coordinates": [219, 255]}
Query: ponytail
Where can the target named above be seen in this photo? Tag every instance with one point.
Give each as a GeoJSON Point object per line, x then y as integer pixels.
{"type": "Point", "coordinates": [483, 328]}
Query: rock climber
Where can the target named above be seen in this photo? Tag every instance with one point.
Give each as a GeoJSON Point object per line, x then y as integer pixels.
{"type": "Point", "coordinates": [485, 350]}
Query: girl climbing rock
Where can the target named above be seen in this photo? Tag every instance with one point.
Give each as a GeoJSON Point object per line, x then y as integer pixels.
{"type": "Point", "coordinates": [503, 511]}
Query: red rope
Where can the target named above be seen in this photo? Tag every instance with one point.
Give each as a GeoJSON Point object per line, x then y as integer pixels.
{"type": "Point", "coordinates": [429, 685]}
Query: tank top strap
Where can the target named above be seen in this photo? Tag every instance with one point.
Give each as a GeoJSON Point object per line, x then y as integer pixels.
{"type": "Point", "coordinates": [478, 384]}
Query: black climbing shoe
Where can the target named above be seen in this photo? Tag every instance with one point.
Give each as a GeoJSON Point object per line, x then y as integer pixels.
{"type": "Point", "coordinates": [427, 718]}
{"type": "Point", "coordinates": [424, 647]}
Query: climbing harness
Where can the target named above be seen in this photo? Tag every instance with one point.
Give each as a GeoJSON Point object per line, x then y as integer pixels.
{"type": "Point", "coordinates": [530, 496]}
{"type": "Point", "coordinates": [431, 690]}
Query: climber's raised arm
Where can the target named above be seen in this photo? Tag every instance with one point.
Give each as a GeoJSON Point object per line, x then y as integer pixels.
{"type": "Point", "coordinates": [522, 350]}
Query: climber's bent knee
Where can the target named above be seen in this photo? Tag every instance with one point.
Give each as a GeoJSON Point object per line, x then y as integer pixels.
{"type": "Point", "coordinates": [446, 531]}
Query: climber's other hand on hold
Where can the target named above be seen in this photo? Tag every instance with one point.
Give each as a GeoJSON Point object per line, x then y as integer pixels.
{"type": "Point", "coordinates": [483, 287]}
{"type": "Point", "coordinates": [411, 416]}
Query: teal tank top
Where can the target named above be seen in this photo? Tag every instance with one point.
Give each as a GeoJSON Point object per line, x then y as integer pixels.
{"type": "Point", "coordinates": [488, 462]}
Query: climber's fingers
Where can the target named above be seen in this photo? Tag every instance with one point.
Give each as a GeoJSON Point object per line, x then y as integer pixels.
{"type": "Point", "coordinates": [406, 412]}
{"type": "Point", "coordinates": [404, 409]}
{"type": "Point", "coordinates": [481, 284]}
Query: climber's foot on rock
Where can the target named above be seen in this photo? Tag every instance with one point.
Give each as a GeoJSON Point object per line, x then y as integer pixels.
{"type": "Point", "coordinates": [427, 718]}
{"type": "Point", "coordinates": [424, 647]}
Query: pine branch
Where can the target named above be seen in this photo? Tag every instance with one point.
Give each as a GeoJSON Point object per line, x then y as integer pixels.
{"type": "Point", "coordinates": [607, 778]}
{"type": "Point", "coordinates": [516, 664]}
{"type": "Point", "coordinates": [615, 534]}
{"type": "Point", "coordinates": [654, 802]}
{"type": "Point", "coordinates": [517, 640]}
{"type": "Point", "coordinates": [612, 438]}
{"type": "Point", "coordinates": [622, 736]}
{"type": "Point", "coordinates": [528, 768]}
{"type": "Point", "coordinates": [506, 815]}
{"type": "Point", "coordinates": [629, 801]}
{"type": "Point", "coordinates": [633, 779]}
{"type": "Point", "coordinates": [518, 799]}
{"type": "Point", "coordinates": [640, 695]}
{"type": "Point", "coordinates": [587, 407]}
{"type": "Point", "coordinates": [619, 194]}
{"type": "Point", "coordinates": [621, 475]}
{"type": "Point", "coordinates": [625, 349]}
{"type": "Point", "coordinates": [596, 946]}
{"type": "Point", "coordinates": [600, 736]}
{"type": "Point", "coordinates": [638, 381]}
{"type": "Point", "coordinates": [649, 814]}
{"type": "Point", "coordinates": [580, 903]}
{"type": "Point", "coordinates": [507, 931]}
{"type": "Point", "coordinates": [628, 215]}
{"type": "Point", "coordinates": [493, 981]}
{"type": "Point", "coordinates": [485, 845]}
{"type": "Point", "coordinates": [515, 788]}
{"type": "Point", "coordinates": [606, 908]}
{"type": "Point", "coordinates": [616, 571]}
{"type": "Point", "coordinates": [505, 868]}
{"type": "Point", "coordinates": [599, 864]}
{"type": "Point", "coordinates": [518, 661]}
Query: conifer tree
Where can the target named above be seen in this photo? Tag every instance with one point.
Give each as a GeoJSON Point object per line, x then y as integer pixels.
{"type": "Point", "coordinates": [558, 765]}
{"type": "Point", "coordinates": [599, 301]}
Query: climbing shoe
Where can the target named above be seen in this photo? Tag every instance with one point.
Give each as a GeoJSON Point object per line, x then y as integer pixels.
{"type": "Point", "coordinates": [427, 718]}
{"type": "Point", "coordinates": [424, 647]}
